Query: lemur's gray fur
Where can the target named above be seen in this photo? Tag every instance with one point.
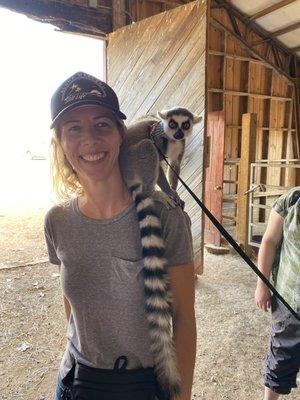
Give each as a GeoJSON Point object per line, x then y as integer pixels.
{"type": "Point", "coordinates": [139, 163]}
{"type": "Point", "coordinates": [169, 130]}
{"type": "Point", "coordinates": [141, 169]}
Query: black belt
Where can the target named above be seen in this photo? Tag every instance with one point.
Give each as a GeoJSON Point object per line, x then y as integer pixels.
{"type": "Point", "coordinates": [87, 383]}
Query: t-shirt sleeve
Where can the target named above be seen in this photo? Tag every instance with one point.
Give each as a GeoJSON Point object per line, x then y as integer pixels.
{"type": "Point", "coordinates": [176, 227]}
{"type": "Point", "coordinates": [50, 242]}
{"type": "Point", "coordinates": [283, 203]}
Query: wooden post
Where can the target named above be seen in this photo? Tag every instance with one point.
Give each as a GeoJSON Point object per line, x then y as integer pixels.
{"type": "Point", "coordinates": [248, 149]}
{"type": "Point", "coordinates": [119, 17]}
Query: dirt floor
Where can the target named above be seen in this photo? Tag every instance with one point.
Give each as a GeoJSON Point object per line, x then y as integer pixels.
{"type": "Point", "coordinates": [232, 334]}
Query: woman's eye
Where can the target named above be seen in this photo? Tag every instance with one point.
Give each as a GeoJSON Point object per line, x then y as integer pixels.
{"type": "Point", "coordinates": [74, 129]}
{"type": "Point", "coordinates": [102, 125]}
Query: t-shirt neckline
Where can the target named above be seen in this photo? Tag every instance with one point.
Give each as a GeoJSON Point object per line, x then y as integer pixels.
{"type": "Point", "coordinates": [122, 214]}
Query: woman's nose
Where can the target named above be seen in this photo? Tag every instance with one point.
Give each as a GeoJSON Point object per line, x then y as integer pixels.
{"type": "Point", "coordinates": [90, 135]}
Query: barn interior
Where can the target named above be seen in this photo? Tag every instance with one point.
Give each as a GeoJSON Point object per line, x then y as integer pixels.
{"type": "Point", "coordinates": [235, 63]}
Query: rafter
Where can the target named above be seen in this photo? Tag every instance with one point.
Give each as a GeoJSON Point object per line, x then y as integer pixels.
{"type": "Point", "coordinates": [285, 30]}
{"type": "Point", "coordinates": [219, 25]}
{"type": "Point", "coordinates": [60, 14]}
{"type": "Point", "coordinates": [271, 9]}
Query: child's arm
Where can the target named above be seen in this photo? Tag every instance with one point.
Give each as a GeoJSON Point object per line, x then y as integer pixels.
{"type": "Point", "coordinates": [266, 258]}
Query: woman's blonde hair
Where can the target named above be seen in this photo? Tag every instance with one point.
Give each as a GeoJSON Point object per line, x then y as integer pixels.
{"type": "Point", "coordinates": [65, 181]}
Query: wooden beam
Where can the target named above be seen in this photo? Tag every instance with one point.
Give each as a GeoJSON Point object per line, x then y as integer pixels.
{"type": "Point", "coordinates": [118, 14]}
{"type": "Point", "coordinates": [285, 30]}
{"type": "Point", "coordinates": [233, 21]}
{"type": "Point", "coordinates": [248, 152]}
{"type": "Point", "coordinates": [171, 2]}
{"type": "Point", "coordinates": [238, 58]}
{"type": "Point", "coordinates": [255, 95]}
{"type": "Point", "coordinates": [277, 33]}
{"type": "Point", "coordinates": [63, 14]}
{"type": "Point", "coordinates": [221, 26]}
{"type": "Point", "coordinates": [252, 25]}
{"type": "Point", "coordinates": [271, 9]}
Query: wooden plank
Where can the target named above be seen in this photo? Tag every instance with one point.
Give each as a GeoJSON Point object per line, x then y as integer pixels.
{"type": "Point", "coordinates": [151, 64]}
{"type": "Point", "coordinates": [248, 146]}
{"type": "Point", "coordinates": [236, 57]}
{"type": "Point", "coordinates": [134, 39]}
{"type": "Point", "coordinates": [270, 9]}
{"type": "Point", "coordinates": [118, 14]}
{"type": "Point", "coordinates": [158, 63]}
{"type": "Point", "coordinates": [290, 174]}
{"type": "Point", "coordinates": [171, 2]}
{"type": "Point", "coordinates": [256, 95]}
{"type": "Point", "coordinates": [173, 72]}
{"type": "Point", "coordinates": [214, 174]}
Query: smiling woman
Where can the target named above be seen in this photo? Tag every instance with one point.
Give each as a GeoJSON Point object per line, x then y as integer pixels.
{"type": "Point", "coordinates": [104, 244]}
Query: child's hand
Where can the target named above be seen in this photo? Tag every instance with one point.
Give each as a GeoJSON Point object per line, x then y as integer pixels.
{"type": "Point", "coordinates": [263, 297]}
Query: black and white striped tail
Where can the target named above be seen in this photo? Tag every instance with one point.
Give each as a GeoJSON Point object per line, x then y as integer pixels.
{"type": "Point", "coordinates": [157, 294]}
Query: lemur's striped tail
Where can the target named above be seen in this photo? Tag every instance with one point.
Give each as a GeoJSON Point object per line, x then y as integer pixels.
{"type": "Point", "coordinates": [157, 294]}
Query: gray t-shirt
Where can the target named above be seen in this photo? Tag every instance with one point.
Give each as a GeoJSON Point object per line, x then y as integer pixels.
{"type": "Point", "coordinates": [101, 262]}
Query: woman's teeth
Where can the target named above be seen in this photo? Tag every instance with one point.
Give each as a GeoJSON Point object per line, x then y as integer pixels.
{"type": "Point", "coordinates": [94, 157]}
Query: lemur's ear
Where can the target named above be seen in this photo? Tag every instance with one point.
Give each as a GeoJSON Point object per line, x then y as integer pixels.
{"type": "Point", "coordinates": [197, 119]}
{"type": "Point", "coordinates": [162, 114]}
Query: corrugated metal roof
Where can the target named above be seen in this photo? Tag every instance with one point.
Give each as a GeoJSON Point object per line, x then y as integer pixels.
{"type": "Point", "coordinates": [288, 15]}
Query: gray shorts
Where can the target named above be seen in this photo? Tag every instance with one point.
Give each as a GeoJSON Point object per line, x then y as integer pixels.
{"type": "Point", "coordinates": [283, 359]}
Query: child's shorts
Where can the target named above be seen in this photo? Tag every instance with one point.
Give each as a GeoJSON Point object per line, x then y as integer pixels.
{"type": "Point", "coordinates": [283, 359]}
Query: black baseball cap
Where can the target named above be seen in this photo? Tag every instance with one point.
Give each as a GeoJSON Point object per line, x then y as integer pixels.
{"type": "Point", "coordinates": [83, 89]}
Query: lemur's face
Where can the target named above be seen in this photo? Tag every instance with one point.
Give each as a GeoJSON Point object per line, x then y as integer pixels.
{"type": "Point", "coordinates": [178, 127]}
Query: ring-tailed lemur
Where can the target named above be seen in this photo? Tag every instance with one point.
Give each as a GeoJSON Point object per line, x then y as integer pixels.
{"type": "Point", "coordinates": [139, 164]}
{"type": "Point", "coordinates": [169, 131]}
{"type": "Point", "coordinates": [141, 169]}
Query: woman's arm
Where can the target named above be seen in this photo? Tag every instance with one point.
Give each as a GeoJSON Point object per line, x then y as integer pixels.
{"type": "Point", "coordinates": [266, 256]}
{"type": "Point", "coordinates": [182, 281]}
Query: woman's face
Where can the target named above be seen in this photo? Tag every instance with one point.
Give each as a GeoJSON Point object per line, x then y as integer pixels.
{"type": "Point", "coordinates": [90, 139]}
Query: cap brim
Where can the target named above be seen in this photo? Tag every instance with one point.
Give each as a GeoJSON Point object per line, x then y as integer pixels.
{"type": "Point", "coordinates": [79, 103]}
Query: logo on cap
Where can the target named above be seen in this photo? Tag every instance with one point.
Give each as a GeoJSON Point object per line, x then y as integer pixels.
{"type": "Point", "coordinates": [81, 86]}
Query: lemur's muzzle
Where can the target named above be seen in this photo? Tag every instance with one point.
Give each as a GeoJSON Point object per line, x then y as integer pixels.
{"type": "Point", "coordinates": [178, 135]}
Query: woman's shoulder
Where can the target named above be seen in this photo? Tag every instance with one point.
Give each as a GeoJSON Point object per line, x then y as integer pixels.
{"type": "Point", "coordinates": [58, 211]}
{"type": "Point", "coordinates": [168, 210]}
{"type": "Point", "coordinates": [284, 203]}
{"type": "Point", "coordinates": [162, 201]}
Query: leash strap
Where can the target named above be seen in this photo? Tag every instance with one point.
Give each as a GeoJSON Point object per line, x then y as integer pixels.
{"type": "Point", "coordinates": [231, 241]}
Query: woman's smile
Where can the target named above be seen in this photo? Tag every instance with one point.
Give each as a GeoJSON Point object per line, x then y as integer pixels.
{"type": "Point", "coordinates": [94, 157]}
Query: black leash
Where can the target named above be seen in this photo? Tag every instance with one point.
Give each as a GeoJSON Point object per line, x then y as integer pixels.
{"type": "Point", "coordinates": [230, 240]}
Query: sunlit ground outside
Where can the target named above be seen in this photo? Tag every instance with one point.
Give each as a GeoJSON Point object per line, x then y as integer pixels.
{"type": "Point", "coordinates": [35, 59]}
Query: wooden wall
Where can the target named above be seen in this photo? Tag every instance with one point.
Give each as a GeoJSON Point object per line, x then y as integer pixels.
{"type": "Point", "coordinates": [239, 82]}
{"type": "Point", "coordinates": [159, 63]}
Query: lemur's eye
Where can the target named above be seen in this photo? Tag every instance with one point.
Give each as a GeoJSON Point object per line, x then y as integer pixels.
{"type": "Point", "coordinates": [186, 125]}
{"type": "Point", "coordinates": [173, 124]}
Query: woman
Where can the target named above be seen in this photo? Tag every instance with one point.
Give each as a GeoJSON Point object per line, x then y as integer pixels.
{"type": "Point", "coordinates": [94, 236]}
{"type": "Point", "coordinates": [283, 359]}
